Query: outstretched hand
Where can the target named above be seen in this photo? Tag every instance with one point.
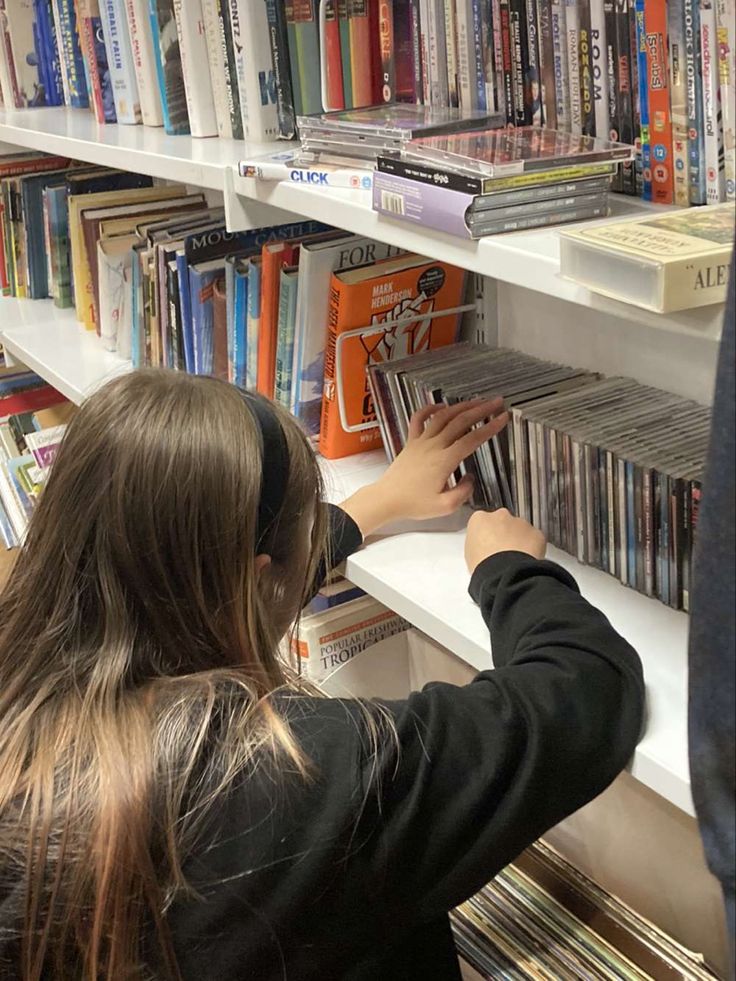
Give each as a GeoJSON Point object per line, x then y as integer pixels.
{"type": "Point", "coordinates": [415, 486]}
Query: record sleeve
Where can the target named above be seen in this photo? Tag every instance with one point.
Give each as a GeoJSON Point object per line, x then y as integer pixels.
{"type": "Point", "coordinates": [500, 153]}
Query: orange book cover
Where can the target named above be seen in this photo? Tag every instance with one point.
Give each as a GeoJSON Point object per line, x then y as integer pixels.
{"type": "Point", "coordinates": [274, 257]}
{"type": "Point", "coordinates": [333, 58]}
{"type": "Point", "coordinates": [361, 51]}
{"type": "Point", "coordinates": [660, 119]}
{"type": "Point", "coordinates": [406, 289]}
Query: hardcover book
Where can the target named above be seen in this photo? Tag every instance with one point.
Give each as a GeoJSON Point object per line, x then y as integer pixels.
{"type": "Point", "coordinates": [72, 55]}
{"type": "Point", "coordinates": [23, 87]}
{"type": "Point", "coordinates": [120, 62]}
{"type": "Point", "coordinates": [216, 59]}
{"type": "Point", "coordinates": [402, 293]}
{"type": "Point", "coordinates": [144, 61]}
{"type": "Point", "coordinates": [97, 70]}
{"type": "Point", "coordinates": [664, 263]}
{"type": "Point", "coordinates": [168, 67]}
{"type": "Point", "coordinates": [195, 68]}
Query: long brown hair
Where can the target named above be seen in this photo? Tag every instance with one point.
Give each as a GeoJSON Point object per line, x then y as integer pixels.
{"type": "Point", "coordinates": [138, 654]}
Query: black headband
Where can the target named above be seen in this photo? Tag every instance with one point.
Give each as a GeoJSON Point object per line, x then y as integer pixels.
{"type": "Point", "coordinates": [275, 464]}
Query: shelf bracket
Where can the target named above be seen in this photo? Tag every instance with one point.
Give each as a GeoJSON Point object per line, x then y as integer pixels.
{"type": "Point", "coordinates": [242, 214]}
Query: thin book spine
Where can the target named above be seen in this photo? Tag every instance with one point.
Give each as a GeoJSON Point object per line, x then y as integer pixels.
{"type": "Point", "coordinates": [572, 25]}
{"type": "Point", "coordinates": [276, 18]}
{"type": "Point", "coordinates": [92, 42]}
{"type": "Point", "coordinates": [532, 74]}
{"type": "Point", "coordinates": [600, 68]}
{"type": "Point", "coordinates": [62, 53]}
{"type": "Point", "coordinates": [559, 52]}
{"type": "Point", "coordinates": [519, 62]}
{"type": "Point", "coordinates": [120, 62]}
{"type": "Point", "coordinates": [547, 63]}
{"type": "Point", "coordinates": [451, 52]}
{"type": "Point", "coordinates": [641, 54]}
{"type": "Point", "coordinates": [509, 107]}
{"type": "Point", "coordinates": [231, 72]}
{"type": "Point", "coordinates": [216, 61]}
{"type": "Point", "coordinates": [72, 56]}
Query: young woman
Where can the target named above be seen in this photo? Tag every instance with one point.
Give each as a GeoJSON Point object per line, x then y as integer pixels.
{"type": "Point", "coordinates": [172, 803]}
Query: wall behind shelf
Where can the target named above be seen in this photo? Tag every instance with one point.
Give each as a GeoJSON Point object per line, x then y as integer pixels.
{"type": "Point", "coordinates": [680, 362]}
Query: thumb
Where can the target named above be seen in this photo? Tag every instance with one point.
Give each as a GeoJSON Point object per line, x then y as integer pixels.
{"type": "Point", "coordinates": [454, 498]}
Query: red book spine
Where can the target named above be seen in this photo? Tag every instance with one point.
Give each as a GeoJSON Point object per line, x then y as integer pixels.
{"type": "Point", "coordinates": [87, 44]}
{"type": "Point", "coordinates": [30, 401]}
{"type": "Point", "coordinates": [387, 80]}
{"type": "Point", "coordinates": [333, 56]}
{"type": "Point", "coordinates": [660, 119]}
{"type": "Point", "coordinates": [360, 52]}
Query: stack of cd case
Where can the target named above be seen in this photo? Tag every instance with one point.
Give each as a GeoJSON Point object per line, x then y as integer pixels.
{"type": "Point", "coordinates": [609, 469]}
{"type": "Point", "coordinates": [364, 133]}
{"type": "Point", "coordinates": [482, 183]}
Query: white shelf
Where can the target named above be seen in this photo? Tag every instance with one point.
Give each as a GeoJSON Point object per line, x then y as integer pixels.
{"type": "Point", "coordinates": [528, 259]}
{"type": "Point", "coordinates": [421, 574]}
{"type": "Point", "coordinates": [50, 342]}
{"type": "Point", "coordinates": [146, 150]}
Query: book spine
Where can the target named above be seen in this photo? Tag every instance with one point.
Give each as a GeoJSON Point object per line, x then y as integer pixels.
{"type": "Point", "coordinates": [636, 120]}
{"type": "Point", "coordinates": [439, 83]}
{"type": "Point", "coordinates": [72, 56]}
{"type": "Point", "coordinates": [573, 66]}
{"type": "Point", "coordinates": [641, 54]}
{"type": "Point", "coordinates": [238, 28]}
{"type": "Point", "coordinates": [726, 25]}
{"type": "Point", "coordinates": [507, 62]}
{"type": "Point", "coordinates": [216, 60]}
{"type": "Point", "coordinates": [144, 62]}
{"type": "Point", "coordinates": [600, 68]}
{"type": "Point", "coordinates": [492, 54]}
{"type": "Point", "coordinates": [656, 93]}
{"type": "Point", "coordinates": [276, 18]}
{"type": "Point", "coordinates": [54, 77]}
{"type": "Point", "coordinates": [120, 62]}
{"type": "Point", "coordinates": [285, 346]}
{"type": "Point", "coordinates": [347, 71]}
{"type": "Point", "coordinates": [678, 103]}
{"type": "Point", "coordinates": [62, 53]}
{"type": "Point", "coordinates": [585, 69]}
{"type": "Point", "coordinates": [547, 63]}
{"type": "Point", "coordinates": [195, 69]}
{"type": "Point", "coordinates": [532, 73]}
{"type": "Point", "coordinates": [559, 51]}
{"type": "Point", "coordinates": [260, 102]}
{"type": "Point", "coordinates": [254, 323]}
{"type": "Point", "coordinates": [715, 184]}
{"type": "Point", "coordinates": [693, 74]}
{"type": "Point", "coordinates": [451, 53]}
{"type": "Point", "coordinates": [168, 67]}
{"type": "Point", "coordinates": [333, 57]}
{"type": "Point", "coordinates": [519, 61]}
{"type": "Point", "coordinates": [89, 30]}
{"type": "Point", "coordinates": [614, 125]}
{"type": "Point", "coordinates": [231, 73]}
{"type": "Point", "coordinates": [405, 65]}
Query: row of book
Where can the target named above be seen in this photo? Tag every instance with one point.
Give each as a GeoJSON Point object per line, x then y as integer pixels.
{"type": "Point", "coordinates": [193, 66]}
{"type": "Point", "coordinates": [33, 416]}
{"type": "Point", "coordinates": [609, 469]}
{"type": "Point", "coordinates": [541, 918]}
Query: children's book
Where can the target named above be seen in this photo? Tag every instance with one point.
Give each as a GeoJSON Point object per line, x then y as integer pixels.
{"type": "Point", "coordinates": [97, 69]}
{"type": "Point", "coordinates": [47, 49]}
{"type": "Point", "coordinates": [403, 293]}
{"type": "Point", "coordinates": [168, 67]}
{"type": "Point", "coordinates": [202, 279]}
{"type": "Point", "coordinates": [24, 88]}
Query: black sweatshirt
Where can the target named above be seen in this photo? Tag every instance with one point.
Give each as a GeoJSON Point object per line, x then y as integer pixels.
{"type": "Point", "coordinates": [351, 874]}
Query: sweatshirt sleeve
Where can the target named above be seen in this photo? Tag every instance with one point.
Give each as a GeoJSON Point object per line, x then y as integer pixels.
{"type": "Point", "coordinates": [343, 538]}
{"type": "Point", "coordinates": [483, 770]}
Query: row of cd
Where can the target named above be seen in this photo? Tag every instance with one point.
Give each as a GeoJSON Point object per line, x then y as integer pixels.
{"type": "Point", "coordinates": [609, 469]}
{"type": "Point", "coordinates": [542, 919]}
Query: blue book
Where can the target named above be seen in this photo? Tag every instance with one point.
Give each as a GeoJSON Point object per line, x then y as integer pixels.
{"type": "Point", "coordinates": [31, 189]}
{"type": "Point", "coordinates": [73, 62]}
{"type": "Point", "coordinates": [230, 262]}
{"type": "Point", "coordinates": [289, 284]}
{"type": "Point", "coordinates": [47, 49]}
{"type": "Point", "coordinates": [202, 279]}
{"type": "Point", "coordinates": [185, 305]}
{"type": "Point", "coordinates": [239, 357]}
{"type": "Point", "coordinates": [254, 322]}
{"type": "Point", "coordinates": [99, 87]}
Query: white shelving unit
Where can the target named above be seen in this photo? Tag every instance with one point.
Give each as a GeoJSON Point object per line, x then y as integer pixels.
{"type": "Point", "coordinates": [420, 572]}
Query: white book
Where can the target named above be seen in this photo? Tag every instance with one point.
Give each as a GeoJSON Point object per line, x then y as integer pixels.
{"type": "Point", "coordinates": [256, 79]}
{"type": "Point", "coordinates": [600, 69]}
{"type": "Point", "coordinates": [22, 68]}
{"type": "Point", "coordinates": [726, 23]}
{"type": "Point", "coordinates": [120, 62]}
{"type": "Point", "coordinates": [559, 51]}
{"type": "Point", "coordinates": [715, 178]}
{"type": "Point", "coordinates": [326, 641]}
{"type": "Point", "coordinates": [572, 25]}
{"type": "Point", "coordinates": [144, 61]}
{"type": "Point", "coordinates": [195, 67]}
{"type": "Point", "coordinates": [317, 262]}
{"type": "Point", "coordinates": [114, 261]}
{"type": "Point", "coordinates": [216, 57]}
{"type": "Point", "coordinates": [6, 85]}
{"type": "Point", "coordinates": [62, 52]}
